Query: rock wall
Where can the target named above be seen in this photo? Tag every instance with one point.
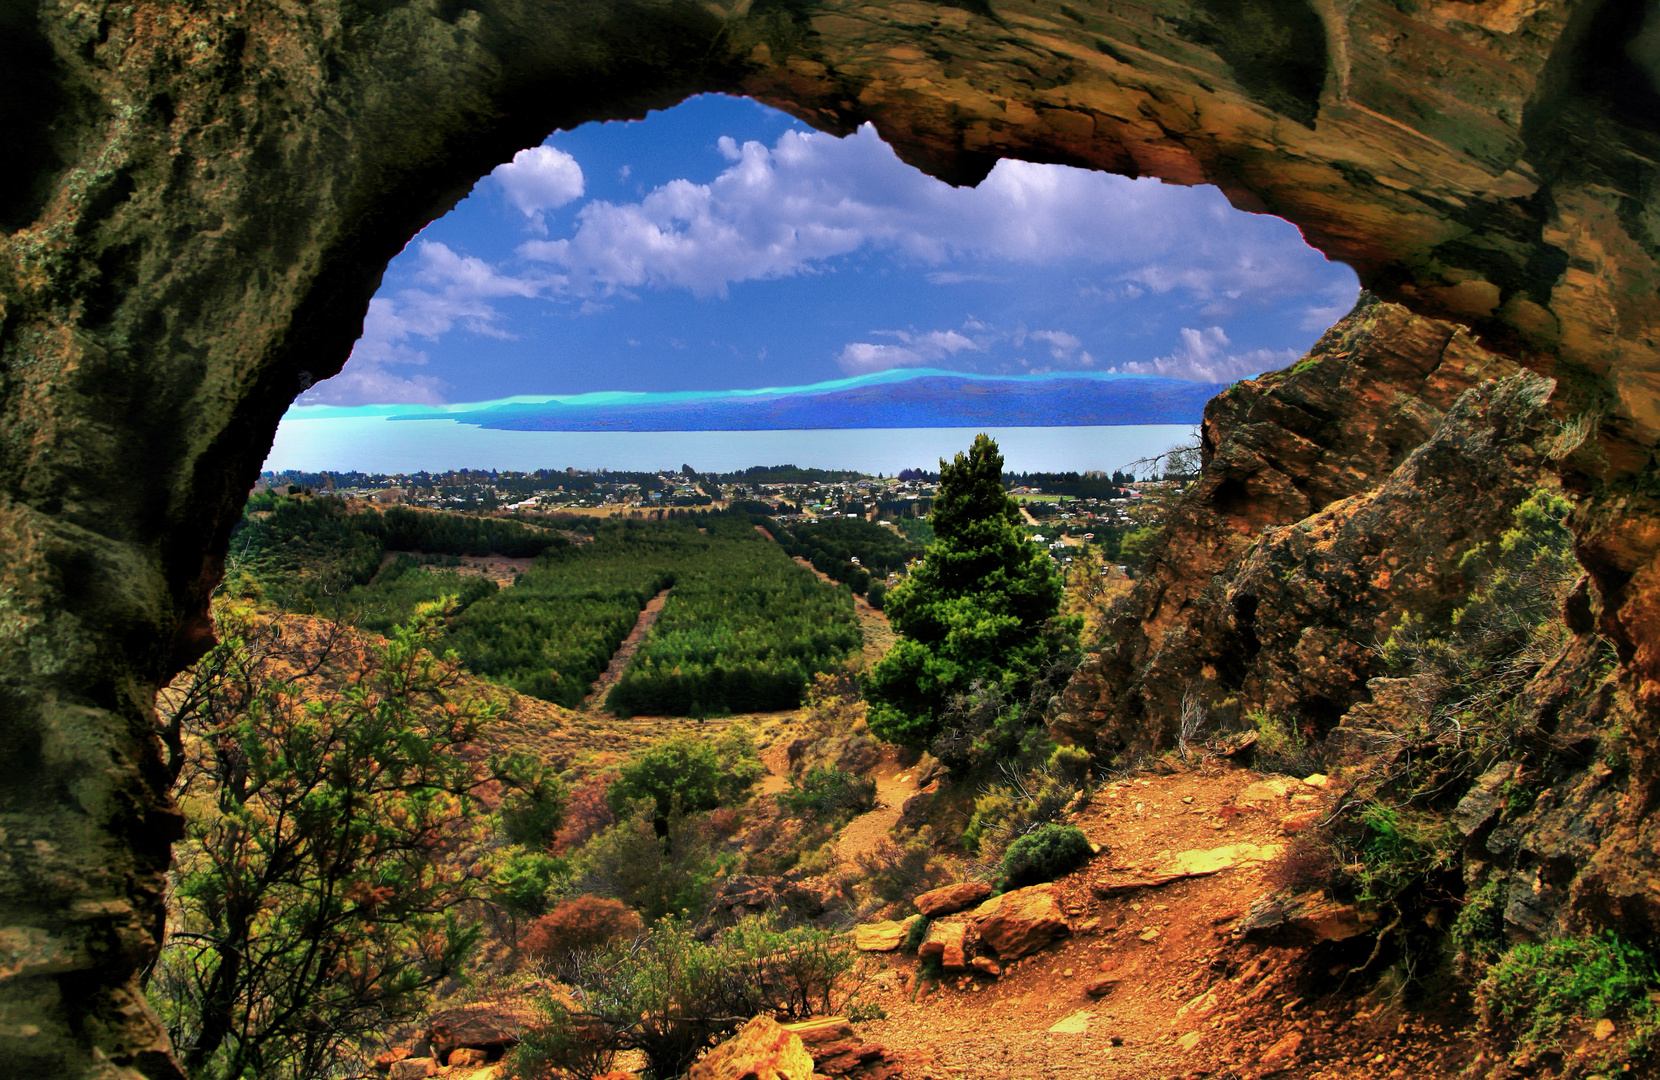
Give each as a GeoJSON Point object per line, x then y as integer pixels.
{"type": "Point", "coordinates": [200, 199]}
{"type": "Point", "coordinates": [1335, 496]}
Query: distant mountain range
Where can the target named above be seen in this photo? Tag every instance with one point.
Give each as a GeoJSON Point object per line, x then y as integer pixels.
{"type": "Point", "coordinates": [909, 398]}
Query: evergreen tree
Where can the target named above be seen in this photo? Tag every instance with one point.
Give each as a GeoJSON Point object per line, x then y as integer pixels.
{"type": "Point", "coordinates": [975, 610]}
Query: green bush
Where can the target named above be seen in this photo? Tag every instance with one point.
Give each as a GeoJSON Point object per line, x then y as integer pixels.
{"type": "Point", "coordinates": [1538, 990]}
{"type": "Point", "coordinates": [1045, 854]}
{"type": "Point", "coordinates": [690, 773]}
{"type": "Point", "coordinates": [1400, 847]}
{"type": "Point", "coordinates": [656, 867]}
{"type": "Point", "coordinates": [829, 793]}
{"type": "Point", "coordinates": [520, 881]}
{"type": "Point", "coordinates": [875, 595]}
{"type": "Point", "coordinates": [532, 816]}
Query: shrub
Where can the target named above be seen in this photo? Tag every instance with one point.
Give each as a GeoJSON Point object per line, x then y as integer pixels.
{"type": "Point", "coordinates": [1400, 847]}
{"type": "Point", "coordinates": [655, 872]}
{"type": "Point", "coordinates": [690, 773]}
{"type": "Point", "coordinates": [876, 593]}
{"type": "Point", "coordinates": [1026, 801]}
{"type": "Point", "coordinates": [829, 792]}
{"type": "Point", "coordinates": [1308, 862]}
{"type": "Point", "coordinates": [1536, 990]}
{"type": "Point", "coordinates": [532, 816]}
{"type": "Point", "coordinates": [521, 880]}
{"type": "Point", "coordinates": [1070, 765]}
{"type": "Point", "coordinates": [1478, 932]}
{"type": "Point", "coordinates": [584, 924]}
{"type": "Point", "coordinates": [670, 995]}
{"type": "Point", "coordinates": [899, 871]}
{"type": "Point", "coordinates": [1280, 747]}
{"type": "Point", "coordinates": [1045, 854]}
{"type": "Point", "coordinates": [587, 814]}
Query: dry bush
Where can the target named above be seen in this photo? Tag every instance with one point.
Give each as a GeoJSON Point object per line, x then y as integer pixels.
{"type": "Point", "coordinates": [1308, 862]}
{"type": "Point", "coordinates": [896, 872]}
{"type": "Point", "coordinates": [582, 925]}
{"type": "Point", "coordinates": [587, 814]}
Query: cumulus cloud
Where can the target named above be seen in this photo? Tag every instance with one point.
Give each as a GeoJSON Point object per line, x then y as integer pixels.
{"type": "Point", "coordinates": [1203, 356]}
{"type": "Point", "coordinates": [787, 209]}
{"type": "Point", "coordinates": [538, 179]}
{"type": "Point", "coordinates": [1064, 347]}
{"type": "Point", "coordinates": [452, 290]}
{"type": "Point", "coordinates": [910, 349]}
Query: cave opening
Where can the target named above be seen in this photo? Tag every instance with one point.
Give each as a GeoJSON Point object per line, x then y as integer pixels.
{"type": "Point", "coordinates": [722, 246]}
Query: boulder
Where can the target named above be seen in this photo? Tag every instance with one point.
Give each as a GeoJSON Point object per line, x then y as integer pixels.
{"type": "Point", "coordinates": [821, 1030]}
{"type": "Point", "coordinates": [1103, 986]}
{"type": "Point", "coordinates": [413, 1068]}
{"type": "Point", "coordinates": [839, 1052]}
{"type": "Point", "coordinates": [1265, 791]}
{"type": "Point", "coordinates": [1281, 1054]}
{"type": "Point", "coordinates": [467, 1055]}
{"type": "Point", "coordinates": [1292, 824]}
{"type": "Point", "coordinates": [985, 965]}
{"type": "Point", "coordinates": [1481, 804]}
{"type": "Point", "coordinates": [949, 943]}
{"type": "Point", "coordinates": [952, 898]}
{"type": "Point", "coordinates": [1020, 922]}
{"type": "Point", "coordinates": [761, 1050]}
{"type": "Point", "coordinates": [485, 1025]}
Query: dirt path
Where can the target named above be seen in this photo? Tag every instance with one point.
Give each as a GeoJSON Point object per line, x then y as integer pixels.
{"type": "Point", "coordinates": [1190, 999]}
{"type": "Point", "coordinates": [877, 633]}
{"type": "Point", "coordinates": [1027, 514]}
{"type": "Point", "coordinates": [595, 700]}
{"type": "Point", "coordinates": [894, 784]}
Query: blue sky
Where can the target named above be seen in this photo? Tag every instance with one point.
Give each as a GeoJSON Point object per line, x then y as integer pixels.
{"type": "Point", "coordinates": [723, 245]}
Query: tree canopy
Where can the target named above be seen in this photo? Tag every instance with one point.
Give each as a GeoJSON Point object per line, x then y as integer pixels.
{"type": "Point", "coordinates": [975, 610]}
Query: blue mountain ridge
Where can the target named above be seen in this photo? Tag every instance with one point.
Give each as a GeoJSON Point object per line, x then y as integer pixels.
{"type": "Point", "coordinates": [918, 398]}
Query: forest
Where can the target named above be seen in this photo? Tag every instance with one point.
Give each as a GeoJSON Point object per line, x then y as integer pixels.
{"type": "Point", "coordinates": [744, 629]}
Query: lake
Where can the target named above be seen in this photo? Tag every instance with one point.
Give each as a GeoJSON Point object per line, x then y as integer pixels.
{"type": "Point", "coordinates": [377, 445]}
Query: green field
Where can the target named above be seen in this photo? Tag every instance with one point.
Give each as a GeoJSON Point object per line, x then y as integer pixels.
{"type": "Point", "coordinates": [744, 629]}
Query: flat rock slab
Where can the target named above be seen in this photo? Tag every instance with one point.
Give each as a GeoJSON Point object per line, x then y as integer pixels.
{"type": "Point", "coordinates": [1187, 864]}
{"type": "Point", "coordinates": [882, 936]}
{"type": "Point", "coordinates": [1074, 1024]}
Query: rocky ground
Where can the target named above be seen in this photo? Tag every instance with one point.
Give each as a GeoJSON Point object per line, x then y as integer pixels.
{"type": "Point", "coordinates": [1157, 981]}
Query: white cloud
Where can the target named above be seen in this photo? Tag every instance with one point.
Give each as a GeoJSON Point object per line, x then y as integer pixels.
{"type": "Point", "coordinates": [540, 178]}
{"type": "Point", "coordinates": [457, 290]}
{"type": "Point", "coordinates": [1203, 356]}
{"type": "Point", "coordinates": [1064, 347]}
{"type": "Point", "coordinates": [913, 350]}
{"type": "Point", "coordinates": [786, 210]}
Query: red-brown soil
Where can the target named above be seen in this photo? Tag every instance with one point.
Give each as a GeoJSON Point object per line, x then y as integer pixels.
{"type": "Point", "coordinates": [971, 1026]}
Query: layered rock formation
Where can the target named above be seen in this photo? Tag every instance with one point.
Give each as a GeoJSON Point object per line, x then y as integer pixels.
{"type": "Point", "coordinates": [1335, 497]}
{"type": "Point", "coordinates": [199, 201]}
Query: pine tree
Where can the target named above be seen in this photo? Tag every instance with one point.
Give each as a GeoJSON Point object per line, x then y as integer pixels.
{"type": "Point", "coordinates": [975, 610]}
